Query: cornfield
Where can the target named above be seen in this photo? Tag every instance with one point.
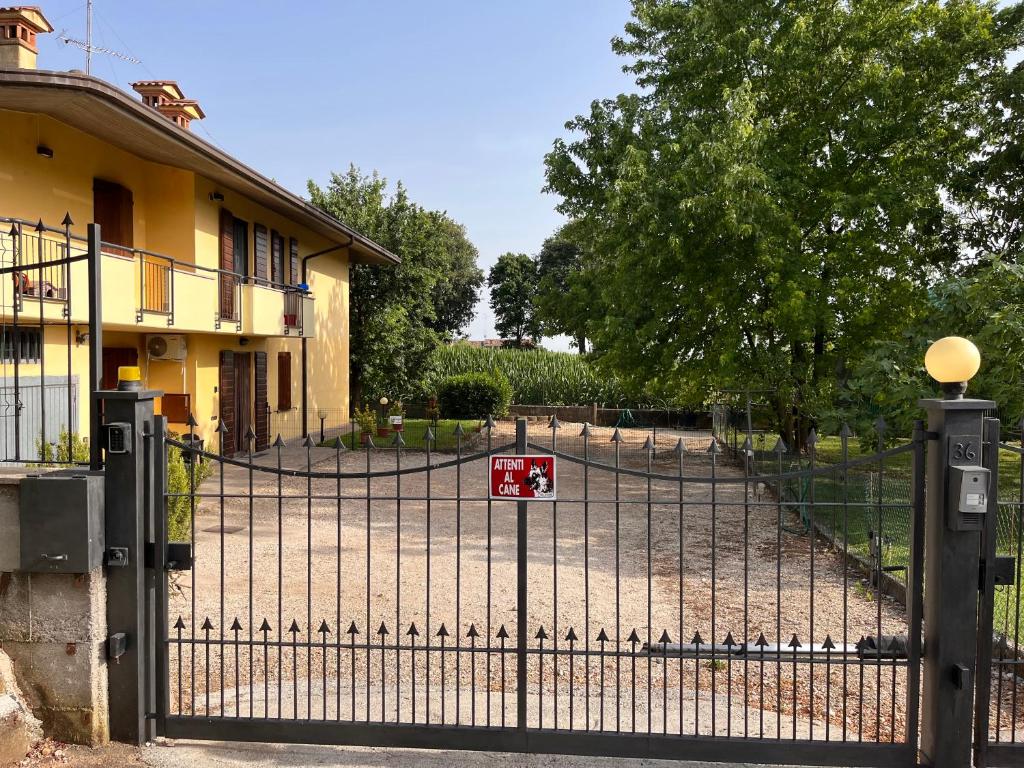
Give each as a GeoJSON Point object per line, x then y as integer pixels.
{"type": "Point", "coordinates": [537, 376]}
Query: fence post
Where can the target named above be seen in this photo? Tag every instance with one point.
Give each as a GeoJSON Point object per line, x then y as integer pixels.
{"type": "Point", "coordinates": [983, 685]}
{"type": "Point", "coordinates": [951, 576]}
{"type": "Point", "coordinates": [522, 573]}
{"type": "Point", "coordinates": [95, 344]}
{"type": "Point", "coordinates": [128, 529]}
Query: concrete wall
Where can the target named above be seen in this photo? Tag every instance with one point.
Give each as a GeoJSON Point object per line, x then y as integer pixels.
{"type": "Point", "coordinates": [53, 628]}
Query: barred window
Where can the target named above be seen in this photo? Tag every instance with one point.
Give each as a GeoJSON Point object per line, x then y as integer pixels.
{"type": "Point", "coordinates": [25, 344]}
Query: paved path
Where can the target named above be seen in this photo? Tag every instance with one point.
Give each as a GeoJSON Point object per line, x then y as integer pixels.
{"type": "Point", "coordinates": [184, 754]}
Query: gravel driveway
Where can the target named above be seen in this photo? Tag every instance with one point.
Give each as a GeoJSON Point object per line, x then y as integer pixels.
{"type": "Point", "coordinates": [327, 560]}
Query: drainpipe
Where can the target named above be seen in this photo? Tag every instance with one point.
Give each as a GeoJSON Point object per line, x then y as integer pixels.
{"type": "Point", "coordinates": [305, 394]}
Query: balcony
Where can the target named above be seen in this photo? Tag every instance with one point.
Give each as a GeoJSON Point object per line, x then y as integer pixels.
{"type": "Point", "coordinates": [141, 289]}
{"type": "Point", "coordinates": [187, 297]}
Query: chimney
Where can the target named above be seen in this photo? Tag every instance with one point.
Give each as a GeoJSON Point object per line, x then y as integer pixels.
{"type": "Point", "coordinates": [19, 26]}
{"type": "Point", "coordinates": [167, 98]}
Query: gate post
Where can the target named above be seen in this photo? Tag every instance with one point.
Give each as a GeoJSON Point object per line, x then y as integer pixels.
{"type": "Point", "coordinates": [522, 573]}
{"type": "Point", "coordinates": [952, 550]}
{"type": "Point", "coordinates": [130, 586]}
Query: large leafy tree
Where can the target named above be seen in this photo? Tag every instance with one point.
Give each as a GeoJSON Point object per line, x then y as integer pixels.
{"type": "Point", "coordinates": [986, 304]}
{"type": "Point", "coordinates": [513, 283]}
{"type": "Point", "coordinates": [773, 196]}
{"type": "Point", "coordinates": [564, 300]}
{"type": "Point", "coordinates": [989, 192]}
{"type": "Point", "coordinates": [399, 314]}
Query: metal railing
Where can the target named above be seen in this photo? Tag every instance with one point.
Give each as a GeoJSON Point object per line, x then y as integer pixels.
{"type": "Point", "coordinates": [156, 287]}
{"type": "Point", "coordinates": [157, 277]}
{"type": "Point", "coordinates": [39, 410]}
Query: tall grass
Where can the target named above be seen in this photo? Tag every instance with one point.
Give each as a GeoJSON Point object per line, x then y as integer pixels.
{"type": "Point", "coordinates": [538, 377]}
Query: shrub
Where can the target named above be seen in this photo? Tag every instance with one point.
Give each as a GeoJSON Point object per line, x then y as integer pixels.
{"type": "Point", "coordinates": [366, 418]}
{"type": "Point", "coordinates": [57, 451]}
{"type": "Point", "coordinates": [474, 395]}
{"type": "Point", "coordinates": [179, 507]}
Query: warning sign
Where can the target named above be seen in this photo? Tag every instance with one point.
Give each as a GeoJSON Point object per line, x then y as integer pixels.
{"type": "Point", "coordinates": [522, 477]}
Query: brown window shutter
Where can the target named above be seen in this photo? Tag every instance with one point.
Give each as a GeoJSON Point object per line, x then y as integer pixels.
{"type": "Point", "coordinates": [261, 247]}
{"type": "Point", "coordinates": [261, 417]}
{"type": "Point", "coordinates": [293, 258]}
{"type": "Point", "coordinates": [284, 381]}
{"type": "Point", "coordinates": [112, 210]}
{"type": "Point", "coordinates": [227, 400]}
{"type": "Point", "coordinates": [227, 263]}
{"type": "Point", "coordinates": [276, 257]}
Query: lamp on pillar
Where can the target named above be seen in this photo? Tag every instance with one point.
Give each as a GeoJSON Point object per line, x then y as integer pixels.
{"type": "Point", "coordinates": [957, 435]}
{"type": "Point", "coordinates": [952, 361]}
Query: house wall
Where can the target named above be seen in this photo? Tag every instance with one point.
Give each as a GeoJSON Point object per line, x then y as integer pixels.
{"type": "Point", "coordinates": [34, 187]}
{"type": "Point", "coordinates": [174, 215]}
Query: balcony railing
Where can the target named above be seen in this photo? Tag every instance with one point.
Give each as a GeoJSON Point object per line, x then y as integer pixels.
{"type": "Point", "coordinates": [144, 286]}
{"type": "Point", "coordinates": [156, 288]}
{"type": "Point", "coordinates": [158, 275]}
{"type": "Point", "coordinates": [293, 313]}
{"type": "Point", "coordinates": [41, 252]}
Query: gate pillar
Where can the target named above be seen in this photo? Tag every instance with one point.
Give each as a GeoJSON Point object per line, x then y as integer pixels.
{"type": "Point", "coordinates": [128, 428]}
{"type": "Point", "coordinates": [952, 552]}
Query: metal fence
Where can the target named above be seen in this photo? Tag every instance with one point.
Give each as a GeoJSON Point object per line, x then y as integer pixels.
{"type": "Point", "coordinates": [1000, 711]}
{"type": "Point", "coordinates": [44, 318]}
{"type": "Point", "coordinates": [655, 608]}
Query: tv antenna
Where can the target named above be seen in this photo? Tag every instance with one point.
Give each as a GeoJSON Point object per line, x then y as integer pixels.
{"type": "Point", "coordinates": [87, 46]}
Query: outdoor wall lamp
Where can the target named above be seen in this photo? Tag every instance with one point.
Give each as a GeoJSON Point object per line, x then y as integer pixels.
{"type": "Point", "coordinates": [383, 401]}
{"type": "Point", "coordinates": [217, 197]}
{"type": "Point", "coordinates": [44, 151]}
{"type": "Point", "coordinates": [952, 362]}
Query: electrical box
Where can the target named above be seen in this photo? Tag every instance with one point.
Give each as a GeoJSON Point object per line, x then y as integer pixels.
{"type": "Point", "coordinates": [62, 520]}
{"type": "Point", "coordinates": [968, 498]}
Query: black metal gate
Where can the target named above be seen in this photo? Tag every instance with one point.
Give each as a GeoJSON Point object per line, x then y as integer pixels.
{"type": "Point", "coordinates": [999, 698]}
{"type": "Point", "coordinates": [674, 601]}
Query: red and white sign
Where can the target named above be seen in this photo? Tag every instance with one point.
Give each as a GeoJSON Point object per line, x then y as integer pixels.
{"type": "Point", "coordinates": [522, 477]}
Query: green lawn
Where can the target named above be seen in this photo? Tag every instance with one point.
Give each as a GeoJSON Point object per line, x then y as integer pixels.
{"type": "Point", "coordinates": [877, 497]}
{"type": "Point", "coordinates": [415, 430]}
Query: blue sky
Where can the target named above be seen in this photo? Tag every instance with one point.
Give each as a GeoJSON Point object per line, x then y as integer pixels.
{"type": "Point", "coordinates": [459, 100]}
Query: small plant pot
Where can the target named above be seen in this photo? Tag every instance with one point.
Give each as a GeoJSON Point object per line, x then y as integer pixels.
{"type": "Point", "coordinates": [398, 428]}
{"type": "Point", "coordinates": [363, 437]}
{"type": "Point", "coordinates": [383, 431]}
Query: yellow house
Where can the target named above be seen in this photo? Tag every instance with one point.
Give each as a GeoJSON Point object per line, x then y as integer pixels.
{"type": "Point", "coordinates": [229, 292]}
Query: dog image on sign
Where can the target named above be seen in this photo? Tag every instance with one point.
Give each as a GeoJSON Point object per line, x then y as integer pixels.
{"type": "Point", "coordinates": [522, 477]}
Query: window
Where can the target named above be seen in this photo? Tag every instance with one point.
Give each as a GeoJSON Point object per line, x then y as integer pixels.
{"type": "Point", "coordinates": [276, 257]}
{"type": "Point", "coordinates": [29, 341]}
{"type": "Point", "coordinates": [284, 381]}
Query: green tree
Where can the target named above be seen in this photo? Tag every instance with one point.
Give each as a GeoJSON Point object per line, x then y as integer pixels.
{"type": "Point", "coordinates": [564, 300]}
{"type": "Point", "coordinates": [773, 197]}
{"type": "Point", "coordinates": [400, 314]}
{"type": "Point", "coordinates": [989, 193]}
{"type": "Point", "coordinates": [513, 283]}
{"type": "Point", "coordinates": [986, 305]}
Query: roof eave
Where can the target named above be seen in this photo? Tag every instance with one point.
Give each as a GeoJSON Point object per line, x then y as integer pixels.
{"type": "Point", "coordinates": [95, 88]}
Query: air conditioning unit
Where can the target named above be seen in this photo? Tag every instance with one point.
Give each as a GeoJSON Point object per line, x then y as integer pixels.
{"type": "Point", "coordinates": [166, 346]}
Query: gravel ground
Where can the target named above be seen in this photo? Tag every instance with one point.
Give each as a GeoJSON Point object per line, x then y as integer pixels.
{"type": "Point", "coordinates": [618, 568]}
